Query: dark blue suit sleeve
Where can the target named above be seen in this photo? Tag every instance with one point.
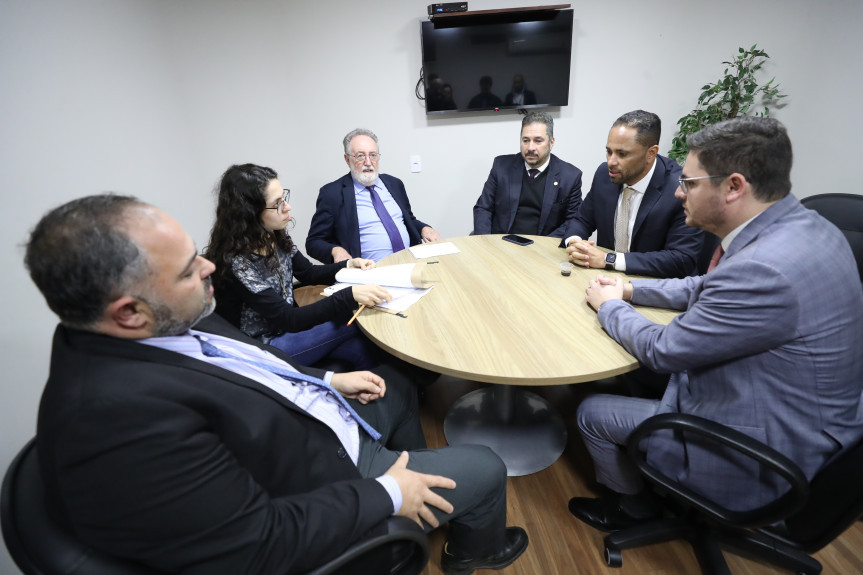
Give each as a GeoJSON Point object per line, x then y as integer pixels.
{"type": "Point", "coordinates": [322, 231]}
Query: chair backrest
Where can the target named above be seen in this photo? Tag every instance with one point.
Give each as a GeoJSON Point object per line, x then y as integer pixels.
{"type": "Point", "coordinates": [845, 211]}
{"type": "Point", "coordinates": [37, 544]}
{"type": "Point", "coordinates": [835, 502]}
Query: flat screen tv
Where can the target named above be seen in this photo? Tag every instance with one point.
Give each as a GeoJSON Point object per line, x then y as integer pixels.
{"type": "Point", "coordinates": [497, 62]}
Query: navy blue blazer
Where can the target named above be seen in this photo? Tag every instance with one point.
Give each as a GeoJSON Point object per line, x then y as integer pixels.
{"type": "Point", "coordinates": [662, 245]}
{"type": "Point", "coordinates": [494, 212]}
{"type": "Point", "coordinates": [335, 222]}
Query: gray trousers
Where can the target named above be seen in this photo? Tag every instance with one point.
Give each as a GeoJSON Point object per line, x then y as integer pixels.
{"type": "Point", "coordinates": [605, 422]}
{"type": "Point", "coordinates": [478, 521]}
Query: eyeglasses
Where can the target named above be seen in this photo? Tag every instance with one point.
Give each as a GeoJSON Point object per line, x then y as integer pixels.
{"type": "Point", "coordinates": [684, 182]}
{"type": "Point", "coordinates": [361, 157]}
{"type": "Point", "coordinates": [286, 198]}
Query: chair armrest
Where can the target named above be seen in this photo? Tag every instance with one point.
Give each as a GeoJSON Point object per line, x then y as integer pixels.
{"type": "Point", "coordinates": [398, 530]}
{"type": "Point", "coordinates": [790, 502]}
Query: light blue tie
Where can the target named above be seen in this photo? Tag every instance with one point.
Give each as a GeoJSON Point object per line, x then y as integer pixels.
{"type": "Point", "coordinates": [211, 350]}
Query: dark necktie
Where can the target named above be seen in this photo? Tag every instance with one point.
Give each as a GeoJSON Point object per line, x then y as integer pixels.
{"type": "Point", "coordinates": [386, 220]}
{"type": "Point", "coordinates": [714, 259]}
{"type": "Point", "coordinates": [532, 173]}
{"type": "Point", "coordinates": [295, 377]}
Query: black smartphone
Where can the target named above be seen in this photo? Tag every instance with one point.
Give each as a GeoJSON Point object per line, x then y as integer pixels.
{"type": "Point", "coordinates": [517, 240]}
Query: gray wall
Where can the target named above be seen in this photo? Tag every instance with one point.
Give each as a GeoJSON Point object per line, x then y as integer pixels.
{"type": "Point", "coordinates": [157, 98]}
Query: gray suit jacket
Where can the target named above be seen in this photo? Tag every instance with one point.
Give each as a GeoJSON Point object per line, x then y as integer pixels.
{"type": "Point", "coordinates": [769, 343]}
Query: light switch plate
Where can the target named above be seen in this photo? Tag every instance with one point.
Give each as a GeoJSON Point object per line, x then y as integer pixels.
{"type": "Point", "coordinates": [416, 164]}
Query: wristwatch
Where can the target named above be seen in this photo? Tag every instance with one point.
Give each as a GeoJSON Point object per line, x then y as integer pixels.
{"type": "Point", "coordinates": [609, 260]}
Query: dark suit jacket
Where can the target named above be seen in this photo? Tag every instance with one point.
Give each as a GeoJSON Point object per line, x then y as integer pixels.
{"type": "Point", "coordinates": [335, 222]}
{"type": "Point", "coordinates": [494, 212]}
{"type": "Point", "coordinates": [662, 245]}
{"type": "Point", "coordinates": [161, 458]}
{"type": "Point", "coordinates": [529, 99]}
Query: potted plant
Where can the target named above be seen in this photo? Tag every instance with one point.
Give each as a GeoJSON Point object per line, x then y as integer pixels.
{"type": "Point", "coordinates": [735, 94]}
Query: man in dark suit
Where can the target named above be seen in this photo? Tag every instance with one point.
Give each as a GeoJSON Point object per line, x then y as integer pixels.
{"type": "Point", "coordinates": [169, 438]}
{"type": "Point", "coordinates": [632, 207]}
{"type": "Point", "coordinates": [767, 343]}
{"type": "Point", "coordinates": [533, 192]}
{"type": "Point", "coordinates": [364, 213]}
{"type": "Point", "coordinates": [520, 95]}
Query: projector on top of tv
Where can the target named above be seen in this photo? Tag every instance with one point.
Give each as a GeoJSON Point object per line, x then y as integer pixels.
{"type": "Point", "coordinates": [447, 7]}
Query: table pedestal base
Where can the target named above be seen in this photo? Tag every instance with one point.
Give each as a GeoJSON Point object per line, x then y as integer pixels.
{"type": "Point", "coordinates": [521, 427]}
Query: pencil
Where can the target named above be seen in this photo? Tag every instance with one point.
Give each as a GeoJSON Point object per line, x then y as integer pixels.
{"type": "Point", "coordinates": [362, 307]}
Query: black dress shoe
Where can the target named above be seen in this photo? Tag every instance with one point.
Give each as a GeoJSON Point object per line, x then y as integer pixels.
{"type": "Point", "coordinates": [605, 513]}
{"type": "Point", "coordinates": [516, 543]}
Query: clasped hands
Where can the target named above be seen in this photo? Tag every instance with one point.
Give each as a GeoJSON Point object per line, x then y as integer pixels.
{"type": "Point", "coordinates": [604, 288]}
{"type": "Point", "coordinates": [585, 254]}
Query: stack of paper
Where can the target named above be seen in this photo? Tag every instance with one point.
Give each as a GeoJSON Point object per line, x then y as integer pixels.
{"type": "Point", "coordinates": [403, 281]}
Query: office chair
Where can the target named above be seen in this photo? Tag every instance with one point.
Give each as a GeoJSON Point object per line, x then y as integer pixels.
{"type": "Point", "coordinates": [39, 546]}
{"type": "Point", "coordinates": [845, 211]}
{"type": "Point", "coordinates": [784, 532]}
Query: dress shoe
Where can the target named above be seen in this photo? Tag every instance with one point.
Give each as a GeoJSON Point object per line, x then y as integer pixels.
{"type": "Point", "coordinates": [516, 543]}
{"type": "Point", "coordinates": [605, 513]}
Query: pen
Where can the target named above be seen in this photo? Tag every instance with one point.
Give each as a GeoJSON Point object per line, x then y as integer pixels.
{"type": "Point", "coordinates": [434, 262]}
{"type": "Point", "coordinates": [362, 307]}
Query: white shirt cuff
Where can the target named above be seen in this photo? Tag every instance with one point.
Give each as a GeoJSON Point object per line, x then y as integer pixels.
{"type": "Point", "coordinates": [392, 486]}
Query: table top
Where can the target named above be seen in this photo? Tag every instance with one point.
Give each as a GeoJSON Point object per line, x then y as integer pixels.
{"type": "Point", "coordinates": [503, 313]}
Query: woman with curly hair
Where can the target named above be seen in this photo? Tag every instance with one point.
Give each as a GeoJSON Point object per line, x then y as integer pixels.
{"type": "Point", "coordinates": [256, 262]}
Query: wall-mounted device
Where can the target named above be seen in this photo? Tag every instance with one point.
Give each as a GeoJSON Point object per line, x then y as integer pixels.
{"type": "Point", "coordinates": [447, 7]}
{"type": "Point", "coordinates": [496, 61]}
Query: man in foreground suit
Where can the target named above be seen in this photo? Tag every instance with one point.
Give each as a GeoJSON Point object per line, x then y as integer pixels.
{"type": "Point", "coordinates": [355, 214]}
{"type": "Point", "coordinates": [767, 343]}
{"type": "Point", "coordinates": [532, 192]}
{"type": "Point", "coordinates": [636, 187]}
{"type": "Point", "coordinates": [186, 449]}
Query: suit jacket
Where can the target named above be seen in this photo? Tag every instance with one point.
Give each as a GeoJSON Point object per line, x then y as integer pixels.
{"type": "Point", "coordinates": [767, 345]}
{"type": "Point", "coordinates": [335, 222]}
{"type": "Point", "coordinates": [494, 212]}
{"type": "Point", "coordinates": [161, 458]}
{"type": "Point", "coordinates": [662, 245]}
{"type": "Point", "coordinates": [529, 99]}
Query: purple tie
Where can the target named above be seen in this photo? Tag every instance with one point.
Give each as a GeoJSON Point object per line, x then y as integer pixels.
{"type": "Point", "coordinates": [532, 173]}
{"type": "Point", "coordinates": [386, 220]}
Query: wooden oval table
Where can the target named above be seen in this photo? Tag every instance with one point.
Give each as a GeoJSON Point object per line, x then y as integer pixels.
{"type": "Point", "coordinates": [503, 314]}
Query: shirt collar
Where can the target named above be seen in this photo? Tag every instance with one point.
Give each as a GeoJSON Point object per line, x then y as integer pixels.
{"type": "Point", "coordinates": [541, 168]}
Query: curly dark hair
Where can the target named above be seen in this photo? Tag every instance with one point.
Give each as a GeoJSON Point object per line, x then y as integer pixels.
{"type": "Point", "coordinates": [238, 229]}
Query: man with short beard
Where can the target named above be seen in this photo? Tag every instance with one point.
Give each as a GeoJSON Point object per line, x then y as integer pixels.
{"type": "Point", "coordinates": [364, 213]}
{"type": "Point", "coordinates": [533, 192]}
{"type": "Point", "coordinates": [168, 437]}
{"type": "Point", "coordinates": [631, 206]}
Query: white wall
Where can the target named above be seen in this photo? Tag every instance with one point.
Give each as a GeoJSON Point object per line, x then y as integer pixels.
{"type": "Point", "coordinates": [157, 98]}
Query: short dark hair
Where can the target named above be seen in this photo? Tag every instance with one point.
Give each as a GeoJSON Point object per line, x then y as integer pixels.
{"type": "Point", "coordinates": [539, 118]}
{"type": "Point", "coordinates": [647, 126]}
{"type": "Point", "coordinates": [757, 147]}
{"type": "Point", "coordinates": [81, 258]}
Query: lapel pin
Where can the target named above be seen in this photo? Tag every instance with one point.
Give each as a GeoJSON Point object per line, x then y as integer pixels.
{"type": "Point", "coordinates": [555, 183]}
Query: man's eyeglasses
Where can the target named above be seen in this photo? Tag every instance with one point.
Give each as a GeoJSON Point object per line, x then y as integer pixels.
{"type": "Point", "coordinates": [684, 182]}
{"type": "Point", "coordinates": [361, 157]}
{"type": "Point", "coordinates": [286, 198]}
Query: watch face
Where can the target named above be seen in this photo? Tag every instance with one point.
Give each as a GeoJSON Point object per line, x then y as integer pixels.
{"type": "Point", "coordinates": [610, 258]}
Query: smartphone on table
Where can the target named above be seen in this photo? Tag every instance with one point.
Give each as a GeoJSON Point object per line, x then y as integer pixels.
{"type": "Point", "coordinates": [520, 240]}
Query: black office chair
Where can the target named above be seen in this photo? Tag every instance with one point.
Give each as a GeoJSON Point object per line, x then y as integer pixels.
{"type": "Point", "coordinates": [783, 532]}
{"type": "Point", "coordinates": [41, 547]}
{"type": "Point", "coordinates": [845, 211]}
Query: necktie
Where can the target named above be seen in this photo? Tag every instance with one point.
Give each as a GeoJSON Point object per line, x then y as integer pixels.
{"type": "Point", "coordinates": [621, 223]}
{"type": "Point", "coordinates": [532, 173]}
{"type": "Point", "coordinates": [714, 260]}
{"type": "Point", "coordinates": [386, 220]}
{"type": "Point", "coordinates": [296, 377]}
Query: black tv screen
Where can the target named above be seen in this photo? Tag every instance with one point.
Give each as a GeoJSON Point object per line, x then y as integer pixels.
{"type": "Point", "coordinates": [497, 62]}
